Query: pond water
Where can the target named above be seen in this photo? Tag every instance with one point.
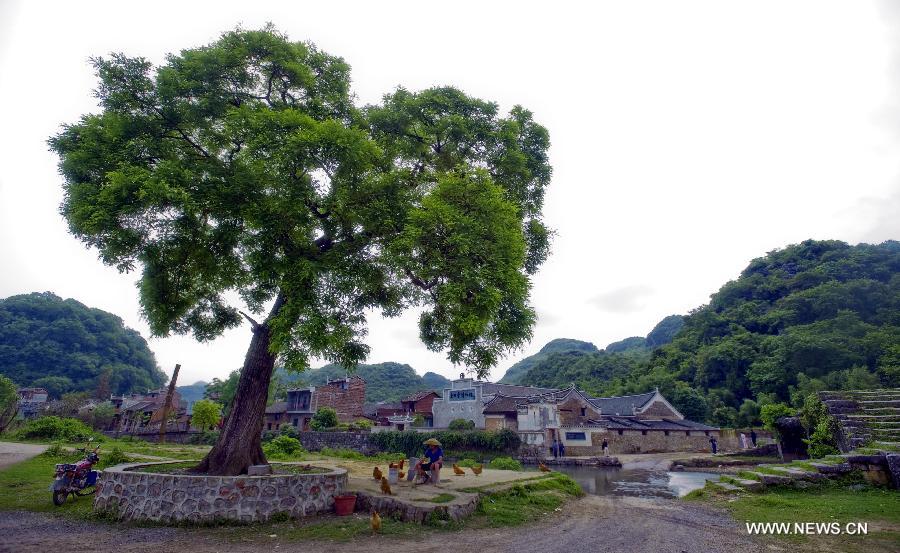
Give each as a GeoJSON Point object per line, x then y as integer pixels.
{"type": "Point", "coordinates": [637, 482]}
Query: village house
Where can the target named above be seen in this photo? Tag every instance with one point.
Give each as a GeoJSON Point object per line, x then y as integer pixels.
{"type": "Point", "coordinates": [641, 423]}
{"type": "Point", "coordinates": [31, 402]}
{"type": "Point", "coordinates": [141, 413]}
{"type": "Point", "coordinates": [345, 395]}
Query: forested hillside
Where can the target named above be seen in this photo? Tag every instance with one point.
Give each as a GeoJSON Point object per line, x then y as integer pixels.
{"type": "Point", "coordinates": [65, 346]}
{"type": "Point", "coordinates": [516, 373]}
{"type": "Point", "coordinates": [384, 381]}
{"type": "Point", "coordinates": [813, 316]}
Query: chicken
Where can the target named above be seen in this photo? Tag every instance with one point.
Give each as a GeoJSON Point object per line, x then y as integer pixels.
{"type": "Point", "coordinates": [458, 471]}
{"type": "Point", "coordinates": [400, 466]}
{"type": "Point", "coordinates": [376, 473]}
{"type": "Point", "coordinates": [543, 467]}
{"type": "Point", "coordinates": [385, 487]}
{"type": "Point", "coordinates": [392, 465]}
{"type": "Point", "coordinates": [477, 469]}
{"type": "Point", "coordinates": [401, 475]}
{"type": "Point", "coordinates": [376, 522]}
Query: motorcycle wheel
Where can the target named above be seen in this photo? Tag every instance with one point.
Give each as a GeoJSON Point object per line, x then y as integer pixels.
{"type": "Point", "coordinates": [59, 497]}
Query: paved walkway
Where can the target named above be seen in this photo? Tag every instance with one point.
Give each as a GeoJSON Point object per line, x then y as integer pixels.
{"type": "Point", "coordinates": [11, 452]}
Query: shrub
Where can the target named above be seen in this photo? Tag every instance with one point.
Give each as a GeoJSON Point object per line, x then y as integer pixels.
{"type": "Point", "coordinates": [210, 437]}
{"type": "Point", "coordinates": [505, 463]}
{"type": "Point", "coordinates": [56, 428]}
{"type": "Point", "coordinates": [55, 450]}
{"type": "Point", "coordinates": [288, 430]}
{"type": "Point", "coordinates": [284, 447]}
{"type": "Point", "coordinates": [268, 436]}
{"type": "Point", "coordinates": [461, 424]}
{"type": "Point", "coordinates": [356, 455]}
{"type": "Point", "coordinates": [771, 412]}
{"type": "Point", "coordinates": [361, 424]}
{"type": "Point", "coordinates": [325, 417]}
{"type": "Point", "coordinates": [467, 463]}
{"type": "Point", "coordinates": [485, 441]}
{"type": "Point", "coordinates": [115, 456]}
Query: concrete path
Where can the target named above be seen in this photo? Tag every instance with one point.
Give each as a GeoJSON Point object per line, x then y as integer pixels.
{"type": "Point", "coordinates": [11, 452]}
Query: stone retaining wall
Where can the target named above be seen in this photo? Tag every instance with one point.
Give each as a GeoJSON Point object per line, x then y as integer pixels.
{"type": "Point", "coordinates": [357, 441]}
{"type": "Point", "coordinates": [416, 512]}
{"type": "Point", "coordinates": [130, 495]}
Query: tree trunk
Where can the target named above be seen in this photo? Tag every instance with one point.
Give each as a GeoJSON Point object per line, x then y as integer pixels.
{"type": "Point", "coordinates": [239, 444]}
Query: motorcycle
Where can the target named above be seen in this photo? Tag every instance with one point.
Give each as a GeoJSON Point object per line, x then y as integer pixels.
{"type": "Point", "coordinates": [77, 479]}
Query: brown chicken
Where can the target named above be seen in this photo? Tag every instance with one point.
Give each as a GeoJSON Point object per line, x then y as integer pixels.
{"type": "Point", "coordinates": [385, 487]}
{"type": "Point", "coordinates": [477, 469]}
{"type": "Point", "coordinates": [376, 522]}
{"type": "Point", "coordinates": [376, 473]}
{"type": "Point", "coordinates": [458, 471]}
{"type": "Point", "coordinates": [400, 466]}
{"type": "Point", "coordinates": [401, 475]}
{"type": "Point", "coordinates": [543, 467]}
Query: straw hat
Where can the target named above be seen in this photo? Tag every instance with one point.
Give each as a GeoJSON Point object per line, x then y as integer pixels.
{"type": "Point", "coordinates": [432, 441]}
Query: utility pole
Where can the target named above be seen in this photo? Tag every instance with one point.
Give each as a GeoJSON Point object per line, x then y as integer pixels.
{"type": "Point", "coordinates": [168, 405]}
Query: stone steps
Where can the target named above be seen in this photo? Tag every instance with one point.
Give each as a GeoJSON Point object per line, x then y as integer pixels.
{"type": "Point", "coordinates": [826, 469]}
{"type": "Point", "coordinates": [770, 479]}
{"type": "Point", "coordinates": [728, 487]}
{"type": "Point", "coordinates": [800, 474]}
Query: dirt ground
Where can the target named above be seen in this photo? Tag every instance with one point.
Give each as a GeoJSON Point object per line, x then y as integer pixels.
{"type": "Point", "coordinates": [592, 524]}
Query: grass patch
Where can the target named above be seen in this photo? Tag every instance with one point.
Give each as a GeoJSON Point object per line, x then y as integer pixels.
{"type": "Point", "coordinates": [26, 486]}
{"type": "Point", "coordinates": [357, 456]}
{"type": "Point", "coordinates": [523, 503]}
{"type": "Point", "coordinates": [184, 467]}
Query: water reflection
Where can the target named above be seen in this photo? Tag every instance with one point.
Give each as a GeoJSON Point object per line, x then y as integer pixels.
{"type": "Point", "coordinates": [636, 482]}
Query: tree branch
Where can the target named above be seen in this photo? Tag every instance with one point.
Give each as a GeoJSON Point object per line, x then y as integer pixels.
{"type": "Point", "coordinates": [253, 323]}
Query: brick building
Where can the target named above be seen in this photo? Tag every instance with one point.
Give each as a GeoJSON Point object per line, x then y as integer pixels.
{"type": "Point", "coordinates": [345, 395]}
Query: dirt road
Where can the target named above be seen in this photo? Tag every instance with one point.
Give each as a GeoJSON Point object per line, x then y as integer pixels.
{"type": "Point", "coordinates": [593, 524]}
{"type": "Point", "coordinates": [11, 452]}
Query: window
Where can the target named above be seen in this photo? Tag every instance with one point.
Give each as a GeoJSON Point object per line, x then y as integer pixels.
{"type": "Point", "coordinates": [296, 422]}
{"type": "Point", "coordinates": [576, 436]}
{"type": "Point", "coordinates": [687, 432]}
{"type": "Point", "coordinates": [666, 432]}
{"type": "Point", "coordinates": [583, 412]}
{"type": "Point", "coordinates": [270, 426]}
{"type": "Point", "coordinates": [620, 432]}
{"type": "Point", "coordinates": [706, 432]}
{"type": "Point", "coordinates": [643, 432]}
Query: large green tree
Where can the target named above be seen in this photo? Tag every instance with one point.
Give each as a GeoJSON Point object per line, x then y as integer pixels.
{"type": "Point", "coordinates": [244, 166]}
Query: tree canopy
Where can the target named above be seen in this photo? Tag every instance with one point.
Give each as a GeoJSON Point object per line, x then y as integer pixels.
{"type": "Point", "coordinates": [65, 346]}
{"type": "Point", "coordinates": [244, 167]}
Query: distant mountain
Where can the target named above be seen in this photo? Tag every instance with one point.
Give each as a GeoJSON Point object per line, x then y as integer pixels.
{"type": "Point", "coordinates": [663, 333]}
{"type": "Point", "coordinates": [66, 346]}
{"type": "Point", "coordinates": [516, 373]}
{"type": "Point", "coordinates": [384, 381]}
{"type": "Point", "coordinates": [192, 392]}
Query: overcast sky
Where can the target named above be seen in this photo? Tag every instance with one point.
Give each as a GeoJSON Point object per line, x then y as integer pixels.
{"type": "Point", "coordinates": [687, 138]}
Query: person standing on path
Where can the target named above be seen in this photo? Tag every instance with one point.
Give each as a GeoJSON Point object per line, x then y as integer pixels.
{"type": "Point", "coordinates": [714, 444]}
{"type": "Point", "coordinates": [605, 446]}
{"type": "Point", "coordinates": [753, 437]}
{"type": "Point", "coordinates": [554, 449]}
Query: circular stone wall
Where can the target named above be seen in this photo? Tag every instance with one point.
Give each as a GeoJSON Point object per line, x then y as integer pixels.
{"type": "Point", "coordinates": [129, 495]}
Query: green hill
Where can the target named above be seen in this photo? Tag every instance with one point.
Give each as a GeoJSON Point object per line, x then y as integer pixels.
{"type": "Point", "coordinates": [812, 316]}
{"type": "Point", "coordinates": [65, 346]}
{"type": "Point", "coordinates": [384, 381]}
{"type": "Point", "coordinates": [517, 372]}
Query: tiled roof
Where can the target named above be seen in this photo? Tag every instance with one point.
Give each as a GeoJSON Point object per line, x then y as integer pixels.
{"type": "Point", "coordinates": [622, 405]}
{"type": "Point", "coordinates": [276, 408]}
{"type": "Point", "coordinates": [420, 395]}
{"type": "Point", "coordinates": [490, 388]}
{"type": "Point", "coordinates": [628, 423]}
{"type": "Point", "coordinates": [502, 404]}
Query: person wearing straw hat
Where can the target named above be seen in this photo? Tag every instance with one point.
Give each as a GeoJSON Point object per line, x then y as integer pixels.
{"type": "Point", "coordinates": [431, 463]}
